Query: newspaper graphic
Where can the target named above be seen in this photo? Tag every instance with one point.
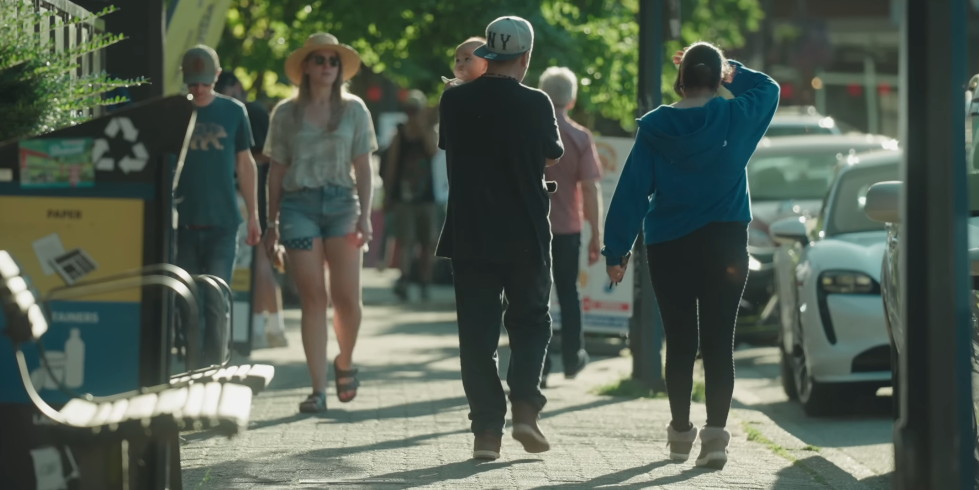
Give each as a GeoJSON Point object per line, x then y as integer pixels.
{"type": "Point", "coordinates": [74, 265]}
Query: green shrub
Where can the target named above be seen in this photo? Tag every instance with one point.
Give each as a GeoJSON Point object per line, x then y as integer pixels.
{"type": "Point", "coordinates": [38, 93]}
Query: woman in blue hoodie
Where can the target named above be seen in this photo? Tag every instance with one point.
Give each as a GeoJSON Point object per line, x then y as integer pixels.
{"type": "Point", "coordinates": [685, 182]}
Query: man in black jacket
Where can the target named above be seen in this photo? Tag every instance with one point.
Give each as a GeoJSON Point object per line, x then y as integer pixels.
{"type": "Point", "coordinates": [498, 136]}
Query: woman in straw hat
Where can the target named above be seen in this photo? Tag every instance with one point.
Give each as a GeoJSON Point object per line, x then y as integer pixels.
{"type": "Point", "coordinates": [320, 143]}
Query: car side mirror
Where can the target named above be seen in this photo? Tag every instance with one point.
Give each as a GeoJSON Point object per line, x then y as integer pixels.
{"type": "Point", "coordinates": [883, 202]}
{"type": "Point", "coordinates": [789, 231]}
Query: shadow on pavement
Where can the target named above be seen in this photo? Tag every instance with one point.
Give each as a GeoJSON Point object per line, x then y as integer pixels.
{"type": "Point", "coordinates": [423, 327]}
{"type": "Point", "coordinates": [438, 474]}
{"type": "Point", "coordinates": [879, 482]}
{"type": "Point", "coordinates": [816, 472]}
{"type": "Point", "coordinates": [835, 432]}
{"type": "Point", "coordinates": [614, 480]}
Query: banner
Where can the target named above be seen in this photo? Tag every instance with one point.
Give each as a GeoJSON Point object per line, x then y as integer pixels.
{"type": "Point", "coordinates": [191, 22]}
{"type": "Point", "coordinates": [605, 310]}
{"type": "Point", "coordinates": [60, 241]}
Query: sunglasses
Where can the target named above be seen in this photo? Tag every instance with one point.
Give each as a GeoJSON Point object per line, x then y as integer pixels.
{"type": "Point", "coordinates": [320, 60]}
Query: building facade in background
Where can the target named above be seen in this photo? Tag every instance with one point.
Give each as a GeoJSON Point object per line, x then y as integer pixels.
{"type": "Point", "coordinates": [839, 55]}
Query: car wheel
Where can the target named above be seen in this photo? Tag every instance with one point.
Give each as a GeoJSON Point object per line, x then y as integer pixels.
{"type": "Point", "coordinates": [787, 375]}
{"type": "Point", "coordinates": [817, 399]}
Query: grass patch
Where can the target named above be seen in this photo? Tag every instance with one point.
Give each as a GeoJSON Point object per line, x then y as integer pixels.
{"type": "Point", "coordinates": [627, 388]}
{"type": "Point", "coordinates": [207, 478]}
{"type": "Point", "coordinates": [699, 391]}
{"type": "Point", "coordinates": [810, 447]}
{"type": "Point", "coordinates": [754, 435]}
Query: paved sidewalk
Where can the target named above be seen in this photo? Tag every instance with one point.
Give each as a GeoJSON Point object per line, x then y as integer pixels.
{"type": "Point", "coordinates": [408, 427]}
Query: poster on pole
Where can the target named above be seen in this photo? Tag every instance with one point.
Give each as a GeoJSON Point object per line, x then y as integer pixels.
{"type": "Point", "coordinates": [189, 23]}
{"type": "Point", "coordinates": [605, 310]}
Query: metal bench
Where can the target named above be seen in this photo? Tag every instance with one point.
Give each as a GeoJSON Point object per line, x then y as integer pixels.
{"type": "Point", "coordinates": [205, 400]}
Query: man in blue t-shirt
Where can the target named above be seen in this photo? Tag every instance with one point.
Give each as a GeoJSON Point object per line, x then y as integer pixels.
{"type": "Point", "coordinates": [206, 198]}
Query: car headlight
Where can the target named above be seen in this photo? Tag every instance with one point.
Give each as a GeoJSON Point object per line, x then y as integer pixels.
{"type": "Point", "coordinates": [753, 264]}
{"type": "Point", "coordinates": [847, 282]}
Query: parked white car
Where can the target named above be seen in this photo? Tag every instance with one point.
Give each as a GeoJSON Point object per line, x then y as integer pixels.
{"type": "Point", "coordinates": [788, 177]}
{"type": "Point", "coordinates": [832, 336]}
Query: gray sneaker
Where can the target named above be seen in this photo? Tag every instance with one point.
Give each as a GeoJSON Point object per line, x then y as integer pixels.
{"type": "Point", "coordinates": [713, 447]}
{"type": "Point", "coordinates": [680, 443]}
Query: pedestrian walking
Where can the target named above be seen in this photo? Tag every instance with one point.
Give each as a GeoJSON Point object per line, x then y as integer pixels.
{"type": "Point", "coordinates": [320, 145]}
{"type": "Point", "coordinates": [266, 293]}
{"type": "Point", "coordinates": [410, 187]}
{"type": "Point", "coordinates": [498, 136]}
{"type": "Point", "coordinates": [208, 216]}
{"type": "Point", "coordinates": [686, 177]}
{"type": "Point", "coordinates": [578, 196]}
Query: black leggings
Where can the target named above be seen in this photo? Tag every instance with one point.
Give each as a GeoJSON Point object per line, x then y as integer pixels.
{"type": "Point", "coordinates": [700, 276]}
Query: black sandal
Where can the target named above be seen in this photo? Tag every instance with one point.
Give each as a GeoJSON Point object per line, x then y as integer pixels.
{"type": "Point", "coordinates": [350, 386]}
{"type": "Point", "coordinates": [314, 403]}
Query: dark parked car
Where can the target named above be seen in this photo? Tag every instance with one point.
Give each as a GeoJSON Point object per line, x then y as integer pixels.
{"type": "Point", "coordinates": [883, 204]}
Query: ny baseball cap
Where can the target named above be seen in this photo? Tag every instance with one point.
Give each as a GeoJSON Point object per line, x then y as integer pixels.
{"type": "Point", "coordinates": [200, 65]}
{"type": "Point", "coordinates": [507, 38]}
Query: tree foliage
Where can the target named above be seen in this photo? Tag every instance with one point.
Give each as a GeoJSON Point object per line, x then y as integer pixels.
{"type": "Point", "coordinates": [412, 43]}
{"type": "Point", "coordinates": [38, 92]}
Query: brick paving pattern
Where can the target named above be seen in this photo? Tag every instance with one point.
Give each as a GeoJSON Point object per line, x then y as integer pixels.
{"type": "Point", "coordinates": [408, 427]}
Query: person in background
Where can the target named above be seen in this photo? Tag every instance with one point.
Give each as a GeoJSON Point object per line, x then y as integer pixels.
{"type": "Point", "coordinates": [267, 295]}
{"type": "Point", "coordinates": [320, 187]}
{"type": "Point", "coordinates": [578, 194]}
{"type": "Point", "coordinates": [498, 135]}
{"type": "Point", "coordinates": [208, 217]}
{"type": "Point", "coordinates": [686, 178]}
{"type": "Point", "coordinates": [410, 188]}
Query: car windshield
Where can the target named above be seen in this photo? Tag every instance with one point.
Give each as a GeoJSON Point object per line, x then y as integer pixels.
{"type": "Point", "coordinates": [797, 130]}
{"type": "Point", "coordinates": [795, 176]}
{"type": "Point", "coordinates": [847, 215]}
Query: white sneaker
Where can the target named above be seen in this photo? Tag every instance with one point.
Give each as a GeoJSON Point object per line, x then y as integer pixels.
{"type": "Point", "coordinates": [277, 339]}
{"type": "Point", "coordinates": [713, 447]}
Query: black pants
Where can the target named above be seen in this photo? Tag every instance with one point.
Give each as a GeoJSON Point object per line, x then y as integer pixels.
{"type": "Point", "coordinates": [479, 288]}
{"type": "Point", "coordinates": [700, 276]}
{"type": "Point", "coordinates": [565, 250]}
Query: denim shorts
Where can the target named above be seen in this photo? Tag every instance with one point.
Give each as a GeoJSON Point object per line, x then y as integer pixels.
{"type": "Point", "coordinates": [325, 212]}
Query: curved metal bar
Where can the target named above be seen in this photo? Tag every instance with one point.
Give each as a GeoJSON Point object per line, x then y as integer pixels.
{"type": "Point", "coordinates": [178, 287]}
{"type": "Point", "coordinates": [225, 290]}
{"type": "Point", "coordinates": [192, 322]}
{"type": "Point", "coordinates": [231, 312]}
{"type": "Point", "coordinates": [181, 274]}
{"type": "Point", "coordinates": [132, 279]}
{"type": "Point", "coordinates": [25, 377]}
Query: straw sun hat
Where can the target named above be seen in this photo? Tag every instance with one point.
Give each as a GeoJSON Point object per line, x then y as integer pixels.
{"type": "Point", "coordinates": [315, 42]}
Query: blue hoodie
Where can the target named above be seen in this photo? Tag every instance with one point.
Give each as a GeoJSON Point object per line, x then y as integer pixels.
{"type": "Point", "coordinates": [687, 166]}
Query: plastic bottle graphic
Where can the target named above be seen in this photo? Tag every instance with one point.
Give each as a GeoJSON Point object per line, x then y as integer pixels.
{"type": "Point", "coordinates": [74, 360]}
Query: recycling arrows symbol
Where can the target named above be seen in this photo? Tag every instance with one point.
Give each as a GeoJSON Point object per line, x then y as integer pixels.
{"type": "Point", "coordinates": [130, 163]}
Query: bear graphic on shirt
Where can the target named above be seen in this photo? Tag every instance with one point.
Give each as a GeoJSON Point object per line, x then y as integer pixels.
{"type": "Point", "coordinates": [208, 136]}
